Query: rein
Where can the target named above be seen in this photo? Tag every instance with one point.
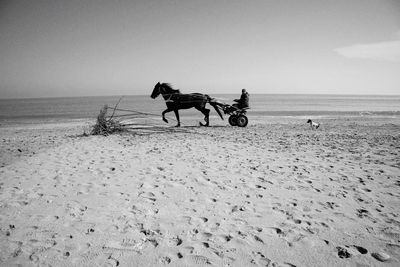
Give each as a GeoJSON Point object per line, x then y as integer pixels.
{"type": "Point", "coordinates": [167, 96]}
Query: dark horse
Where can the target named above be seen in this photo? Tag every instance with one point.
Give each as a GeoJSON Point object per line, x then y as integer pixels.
{"type": "Point", "coordinates": [175, 101]}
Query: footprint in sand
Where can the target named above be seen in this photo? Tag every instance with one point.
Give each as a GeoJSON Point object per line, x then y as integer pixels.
{"type": "Point", "coordinates": [75, 209]}
{"type": "Point", "coordinates": [199, 260]}
{"type": "Point", "coordinates": [361, 213]}
{"type": "Point", "coordinates": [204, 219]}
{"type": "Point", "coordinates": [282, 264]}
{"type": "Point", "coordinates": [237, 208]}
{"type": "Point", "coordinates": [205, 244]}
{"type": "Point", "coordinates": [126, 246]}
{"type": "Point", "coordinates": [324, 224]}
{"type": "Point", "coordinates": [277, 231]}
{"type": "Point", "coordinates": [261, 187]}
{"type": "Point", "coordinates": [260, 259]}
{"type": "Point", "coordinates": [213, 200]}
{"type": "Point", "coordinates": [242, 235]}
{"type": "Point", "coordinates": [34, 258]}
{"type": "Point", "coordinates": [381, 256]}
{"type": "Point", "coordinates": [112, 261]}
{"type": "Point", "coordinates": [165, 260]}
{"type": "Point", "coordinates": [391, 234]}
{"type": "Point", "coordinates": [148, 195]}
{"type": "Point", "coordinates": [91, 257]}
{"type": "Point", "coordinates": [174, 241]}
{"type": "Point", "coordinates": [258, 239]}
{"type": "Point", "coordinates": [361, 249]}
{"type": "Point", "coordinates": [331, 205]}
{"type": "Point", "coordinates": [343, 253]}
{"type": "Point", "coordinates": [225, 238]}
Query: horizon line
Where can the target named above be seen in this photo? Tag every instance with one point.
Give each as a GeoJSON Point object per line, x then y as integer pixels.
{"type": "Point", "coordinates": [122, 95]}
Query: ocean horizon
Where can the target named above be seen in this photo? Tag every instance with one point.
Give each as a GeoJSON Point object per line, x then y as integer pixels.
{"type": "Point", "coordinates": [88, 107]}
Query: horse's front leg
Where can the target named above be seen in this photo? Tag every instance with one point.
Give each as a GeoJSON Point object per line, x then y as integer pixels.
{"type": "Point", "coordinates": [163, 114]}
{"type": "Point", "coordinates": [177, 117]}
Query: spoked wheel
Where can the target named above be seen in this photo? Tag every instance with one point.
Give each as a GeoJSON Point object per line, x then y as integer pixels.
{"type": "Point", "coordinates": [242, 121]}
{"type": "Point", "coordinates": [232, 120]}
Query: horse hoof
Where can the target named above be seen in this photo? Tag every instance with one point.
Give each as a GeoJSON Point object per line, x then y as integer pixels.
{"type": "Point", "coordinates": [178, 125]}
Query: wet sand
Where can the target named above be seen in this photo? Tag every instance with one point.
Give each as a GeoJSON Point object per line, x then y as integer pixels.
{"type": "Point", "coordinates": [275, 193]}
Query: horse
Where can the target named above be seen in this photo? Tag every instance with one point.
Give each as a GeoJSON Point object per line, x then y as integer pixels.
{"type": "Point", "coordinates": [176, 101]}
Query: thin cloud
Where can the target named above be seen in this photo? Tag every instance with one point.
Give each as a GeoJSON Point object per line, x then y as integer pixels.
{"type": "Point", "coordinates": [387, 51]}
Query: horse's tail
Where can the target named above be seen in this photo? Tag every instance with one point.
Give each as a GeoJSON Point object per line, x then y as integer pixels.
{"type": "Point", "coordinates": [215, 105]}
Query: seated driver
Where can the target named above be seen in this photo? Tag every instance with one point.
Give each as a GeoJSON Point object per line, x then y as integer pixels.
{"type": "Point", "coordinates": [243, 102]}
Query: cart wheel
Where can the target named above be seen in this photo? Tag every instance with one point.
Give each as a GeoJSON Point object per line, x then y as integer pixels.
{"type": "Point", "coordinates": [232, 120]}
{"type": "Point", "coordinates": [242, 121]}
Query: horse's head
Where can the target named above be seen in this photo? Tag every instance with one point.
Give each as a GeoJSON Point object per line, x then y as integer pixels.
{"type": "Point", "coordinates": [156, 91]}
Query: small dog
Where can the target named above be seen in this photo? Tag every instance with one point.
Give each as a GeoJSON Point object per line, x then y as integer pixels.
{"type": "Point", "coordinates": [314, 125]}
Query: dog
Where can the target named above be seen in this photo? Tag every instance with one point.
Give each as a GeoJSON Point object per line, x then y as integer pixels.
{"type": "Point", "coordinates": [313, 125]}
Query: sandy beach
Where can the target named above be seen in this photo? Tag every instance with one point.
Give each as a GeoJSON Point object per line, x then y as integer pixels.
{"type": "Point", "coordinates": [275, 193]}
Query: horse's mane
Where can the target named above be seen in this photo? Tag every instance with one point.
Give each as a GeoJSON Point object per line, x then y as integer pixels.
{"type": "Point", "coordinates": [168, 87]}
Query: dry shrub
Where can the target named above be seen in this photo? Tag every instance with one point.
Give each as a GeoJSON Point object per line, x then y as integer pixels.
{"type": "Point", "coordinates": [104, 125]}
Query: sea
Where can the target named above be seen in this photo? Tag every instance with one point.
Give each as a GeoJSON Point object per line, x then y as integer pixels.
{"type": "Point", "coordinates": [33, 110]}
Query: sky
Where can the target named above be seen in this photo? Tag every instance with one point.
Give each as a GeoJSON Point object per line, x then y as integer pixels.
{"type": "Point", "coordinates": [95, 47]}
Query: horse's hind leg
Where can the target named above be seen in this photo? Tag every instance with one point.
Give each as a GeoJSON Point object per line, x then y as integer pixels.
{"type": "Point", "coordinates": [177, 117]}
{"type": "Point", "coordinates": [206, 113]}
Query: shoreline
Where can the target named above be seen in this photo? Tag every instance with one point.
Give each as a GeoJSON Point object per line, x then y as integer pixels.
{"type": "Point", "coordinates": [191, 115]}
{"type": "Point", "coordinates": [34, 136]}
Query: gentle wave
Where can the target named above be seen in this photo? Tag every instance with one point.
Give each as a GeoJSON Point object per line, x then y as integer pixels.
{"type": "Point", "coordinates": [261, 105]}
